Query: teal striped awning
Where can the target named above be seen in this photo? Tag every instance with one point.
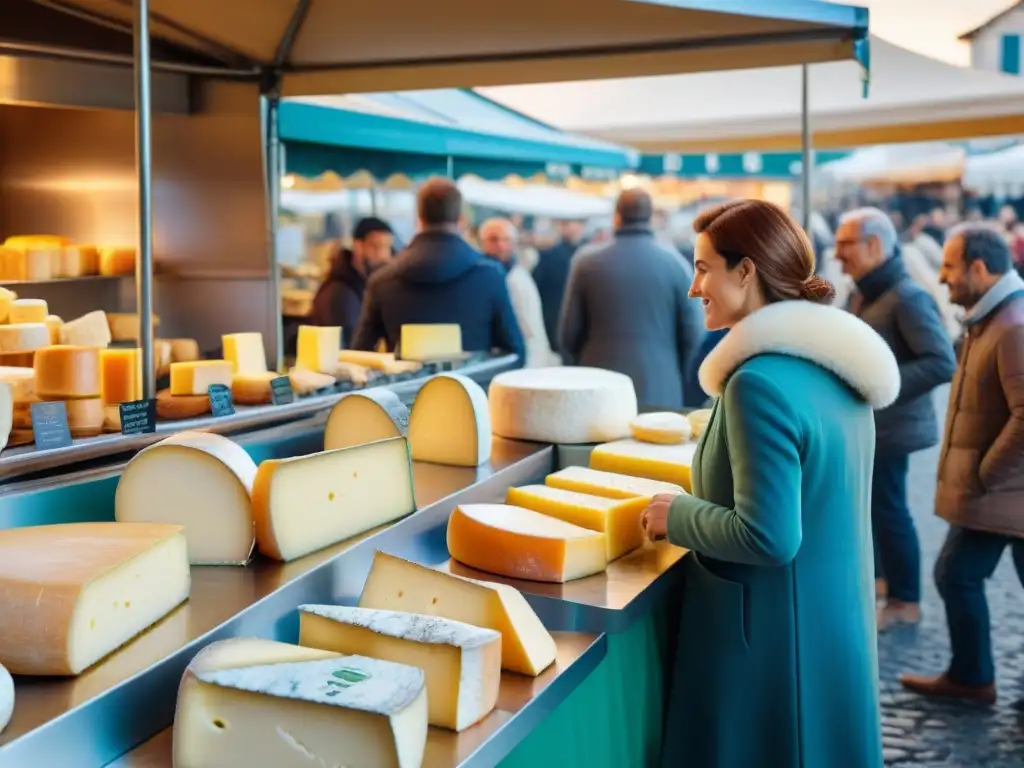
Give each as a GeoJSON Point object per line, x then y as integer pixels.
{"type": "Point", "coordinates": [746, 165]}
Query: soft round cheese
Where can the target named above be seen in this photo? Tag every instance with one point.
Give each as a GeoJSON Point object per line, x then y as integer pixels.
{"type": "Point", "coordinates": [23, 337]}
{"type": "Point", "coordinates": [28, 311]}
{"type": "Point", "coordinates": [365, 417]}
{"type": "Point", "coordinates": [699, 421]}
{"type": "Point", "coordinates": [664, 427]}
{"type": "Point", "coordinates": [6, 697]}
{"type": "Point", "coordinates": [67, 372]}
{"type": "Point", "coordinates": [562, 405]}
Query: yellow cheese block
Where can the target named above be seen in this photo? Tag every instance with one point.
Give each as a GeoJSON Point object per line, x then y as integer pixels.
{"type": "Point", "coordinates": [523, 544]}
{"type": "Point", "coordinates": [364, 417]}
{"type": "Point", "coordinates": [668, 463]}
{"type": "Point", "coordinates": [21, 380]}
{"type": "Point", "coordinates": [85, 416]}
{"type": "Point", "coordinates": [450, 422]}
{"type": "Point", "coordinates": [115, 261]}
{"type": "Point", "coordinates": [195, 378]}
{"type": "Point", "coordinates": [399, 585]}
{"type": "Point", "coordinates": [252, 388]}
{"type": "Point", "coordinates": [610, 485]}
{"type": "Point", "coordinates": [7, 297]}
{"type": "Point", "coordinates": [23, 337]}
{"type": "Point", "coordinates": [77, 261]}
{"type": "Point", "coordinates": [438, 341]}
{"type": "Point", "coordinates": [617, 519]}
{"type": "Point", "coordinates": [318, 347]}
{"type": "Point", "coordinates": [121, 375]}
{"type": "Point", "coordinates": [663, 427]}
{"type": "Point", "coordinates": [70, 594]}
{"type": "Point", "coordinates": [126, 326]}
{"type": "Point", "coordinates": [461, 663]}
{"type": "Point", "coordinates": [30, 262]}
{"type": "Point", "coordinates": [67, 372]}
{"type": "Point", "coordinates": [306, 503]}
{"type": "Point", "coordinates": [374, 360]}
{"type": "Point", "coordinates": [245, 352]}
{"type": "Point", "coordinates": [89, 330]}
{"type": "Point", "coordinates": [28, 311]}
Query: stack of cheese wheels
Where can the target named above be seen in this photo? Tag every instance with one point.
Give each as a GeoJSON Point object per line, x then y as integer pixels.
{"type": "Point", "coordinates": [20, 384]}
{"type": "Point", "coordinates": [562, 405]}
{"type": "Point", "coordinates": [23, 328]}
{"type": "Point", "coordinates": [73, 376]}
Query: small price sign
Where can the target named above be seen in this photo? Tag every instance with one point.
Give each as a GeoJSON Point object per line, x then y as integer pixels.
{"type": "Point", "coordinates": [138, 417]}
{"type": "Point", "coordinates": [50, 425]}
{"type": "Point", "coordinates": [220, 400]}
{"type": "Point", "coordinates": [281, 391]}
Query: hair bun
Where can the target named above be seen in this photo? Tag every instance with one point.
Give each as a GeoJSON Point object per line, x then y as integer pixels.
{"type": "Point", "coordinates": [818, 290]}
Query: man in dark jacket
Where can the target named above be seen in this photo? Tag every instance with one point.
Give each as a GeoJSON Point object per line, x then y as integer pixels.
{"type": "Point", "coordinates": [552, 274]}
{"type": "Point", "coordinates": [906, 316]}
{"type": "Point", "coordinates": [440, 278]}
{"type": "Point", "coordinates": [339, 299]}
{"type": "Point", "coordinates": [626, 308]}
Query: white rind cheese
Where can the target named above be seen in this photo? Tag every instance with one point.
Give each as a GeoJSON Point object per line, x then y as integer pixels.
{"type": "Point", "coordinates": [663, 427]}
{"type": "Point", "coordinates": [364, 417]}
{"type": "Point", "coordinates": [6, 697]}
{"type": "Point", "coordinates": [562, 405]}
{"type": "Point", "coordinates": [462, 663]}
{"type": "Point", "coordinates": [450, 422]}
{"type": "Point", "coordinates": [198, 480]}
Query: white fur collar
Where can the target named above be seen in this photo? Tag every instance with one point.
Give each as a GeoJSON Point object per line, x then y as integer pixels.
{"type": "Point", "coordinates": [830, 337]}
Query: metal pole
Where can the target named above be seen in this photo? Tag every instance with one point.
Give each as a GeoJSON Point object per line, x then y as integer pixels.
{"type": "Point", "coordinates": [807, 161]}
{"type": "Point", "coordinates": [144, 168]}
{"type": "Point", "coordinates": [269, 107]}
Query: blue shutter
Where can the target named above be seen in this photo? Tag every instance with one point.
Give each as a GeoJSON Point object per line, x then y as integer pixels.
{"type": "Point", "coordinates": [1011, 54]}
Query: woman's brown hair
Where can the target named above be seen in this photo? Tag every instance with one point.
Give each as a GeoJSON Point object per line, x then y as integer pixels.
{"type": "Point", "coordinates": [768, 236]}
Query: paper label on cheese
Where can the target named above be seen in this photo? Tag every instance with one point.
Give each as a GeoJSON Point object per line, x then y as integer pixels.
{"type": "Point", "coordinates": [364, 417]}
{"type": "Point", "coordinates": [450, 422]}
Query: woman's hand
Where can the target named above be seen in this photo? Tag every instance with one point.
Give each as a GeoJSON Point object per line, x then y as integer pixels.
{"type": "Point", "coordinates": [654, 519]}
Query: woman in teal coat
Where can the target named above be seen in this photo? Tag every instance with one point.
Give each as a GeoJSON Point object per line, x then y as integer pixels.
{"type": "Point", "coordinates": [776, 664]}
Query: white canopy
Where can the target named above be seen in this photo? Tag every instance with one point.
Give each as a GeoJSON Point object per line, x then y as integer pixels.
{"type": "Point", "coordinates": [999, 173]}
{"type": "Point", "coordinates": [912, 98]}
{"type": "Point", "coordinates": [534, 200]}
{"type": "Point", "coordinates": [910, 163]}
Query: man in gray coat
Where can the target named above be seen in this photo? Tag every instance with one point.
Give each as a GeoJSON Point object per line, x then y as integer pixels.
{"type": "Point", "coordinates": [626, 308]}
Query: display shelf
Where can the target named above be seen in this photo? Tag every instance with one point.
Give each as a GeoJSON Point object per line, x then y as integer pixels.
{"type": "Point", "coordinates": [523, 703]}
{"type": "Point", "coordinates": [86, 279]}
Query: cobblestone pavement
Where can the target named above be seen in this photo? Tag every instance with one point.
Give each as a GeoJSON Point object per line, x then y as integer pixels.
{"type": "Point", "coordinates": [920, 733]}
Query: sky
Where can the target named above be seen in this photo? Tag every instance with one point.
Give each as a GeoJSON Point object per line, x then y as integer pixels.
{"type": "Point", "coordinates": [930, 27]}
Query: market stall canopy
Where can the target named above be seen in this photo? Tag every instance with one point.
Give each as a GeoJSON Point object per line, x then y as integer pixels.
{"type": "Point", "coordinates": [911, 98]}
{"type": "Point", "coordinates": [899, 164]}
{"type": "Point", "coordinates": [996, 173]}
{"type": "Point", "coordinates": [414, 134]}
{"type": "Point", "coordinates": [333, 46]}
{"type": "Point", "coordinates": [745, 165]}
{"type": "Point", "coordinates": [534, 199]}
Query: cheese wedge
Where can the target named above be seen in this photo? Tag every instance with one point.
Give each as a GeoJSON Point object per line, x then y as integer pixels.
{"type": "Point", "coordinates": [523, 544]}
{"type": "Point", "coordinates": [6, 697]}
{"type": "Point", "coordinates": [450, 422]}
{"type": "Point", "coordinates": [663, 427]}
{"type": "Point", "coordinates": [28, 311]}
{"type": "Point", "coordinates": [344, 711]}
{"type": "Point", "coordinates": [462, 663]}
{"type": "Point", "coordinates": [611, 485]}
{"type": "Point", "coordinates": [306, 503]}
{"type": "Point", "coordinates": [89, 330]}
{"type": "Point", "coordinates": [245, 352]}
{"type": "Point", "coordinates": [375, 360]}
{"type": "Point", "coordinates": [436, 341]}
{"type": "Point", "coordinates": [318, 347]}
{"type": "Point", "coordinates": [71, 594]}
{"type": "Point", "coordinates": [198, 480]}
{"type": "Point", "coordinates": [400, 585]}
{"type": "Point", "coordinates": [195, 377]}
{"type": "Point", "coordinates": [364, 417]}
{"type": "Point", "coordinates": [668, 463]}
{"type": "Point", "coordinates": [617, 519]}
{"type": "Point", "coordinates": [67, 372]}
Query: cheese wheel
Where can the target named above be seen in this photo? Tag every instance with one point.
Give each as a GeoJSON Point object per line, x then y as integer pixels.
{"type": "Point", "coordinates": [6, 697]}
{"type": "Point", "coordinates": [431, 341]}
{"type": "Point", "coordinates": [364, 417]}
{"type": "Point", "coordinates": [85, 416]}
{"type": "Point", "coordinates": [70, 594]}
{"type": "Point", "coordinates": [317, 347]}
{"type": "Point", "coordinates": [6, 424]}
{"type": "Point", "coordinates": [162, 357]}
{"type": "Point", "coordinates": [252, 388]}
{"type": "Point", "coordinates": [195, 378]}
{"type": "Point", "coordinates": [28, 311]}
{"type": "Point", "coordinates": [198, 480]}
{"type": "Point", "coordinates": [115, 261]}
{"type": "Point", "coordinates": [562, 405]}
{"type": "Point", "coordinates": [21, 380]}
{"type": "Point", "coordinates": [306, 382]}
{"type": "Point", "coordinates": [54, 323]}
{"type": "Point", "coordinates": [523, 544]}
{"type": "Point", "coordinates": [699, 420]}
{"type": "Point", "coordinates": [89, 330]}
{"type": "Point", "coordinates": [668, 463]}
{"type": "Point", "coordinates": [177, 407]}
{"type": "Point", "coordinates": [66, 372]}
{"type": "Point", "coordinates": [121, 377]}
{"type": "Point", "coordinates": [663, 427]}
{"type": "Point", "coordinates": [7, 298]}
{"type": "Point", "coordinates": [450, 423]}
{"type": "Point", "coordinates": [24, 337]}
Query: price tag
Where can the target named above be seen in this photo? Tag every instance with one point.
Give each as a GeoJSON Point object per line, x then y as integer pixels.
{"type": "Point", "coordinates": [220, 400]}
{"type": "Point", "coordinates": [281, 391]}
{"type": "Point", "coordinates": [138, 417]}
{"type": "Point", "coordinates": [50, 425]}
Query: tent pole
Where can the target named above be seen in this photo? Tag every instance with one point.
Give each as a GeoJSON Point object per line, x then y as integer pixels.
{"type": "Point", "coordinates": [144, 168]}
{"type": "Point", "coordinates": [807, 159]}
{"type": "Point", "coordinates": [269, 107]}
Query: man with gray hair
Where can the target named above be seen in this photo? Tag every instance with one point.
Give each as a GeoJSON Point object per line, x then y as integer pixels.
{"type": "Point", "coordinates": [907, 317]}
{"type": "Point", "coordinates": [980, 488]}
{"type": "Point", "coordinates": [626, 308]}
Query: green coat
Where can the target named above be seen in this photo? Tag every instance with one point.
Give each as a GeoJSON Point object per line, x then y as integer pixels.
{"type": "Point", "coordinates": [777, 664]}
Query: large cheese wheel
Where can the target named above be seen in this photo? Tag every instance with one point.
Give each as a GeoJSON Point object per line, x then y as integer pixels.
{"type": "Point", "coordinates": [364, 417]}
{"type": "Point", "coordinates": [66, 372]}
{"type": "Point", "coordinates": [6, 697]}
{"type": "Point", "coordinates": [562, 405]}
{"type": "Point", "coordinates": [198, 480]}
{"type": "Point", "coordinates": [23, 337]}
{"type": "Point", "coordinates": [450, 423]}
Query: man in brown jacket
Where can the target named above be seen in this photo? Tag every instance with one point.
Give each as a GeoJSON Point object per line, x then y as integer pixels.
{"type": "Point", "coordinates": [981, 468]}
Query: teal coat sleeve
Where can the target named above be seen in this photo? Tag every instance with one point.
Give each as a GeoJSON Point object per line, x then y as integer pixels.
{"type": "Point", "coordinates": [763, 528]}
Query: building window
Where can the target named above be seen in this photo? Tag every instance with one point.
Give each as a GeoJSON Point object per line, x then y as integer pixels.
{"type": "Point", "coordinates": [1011, 54]}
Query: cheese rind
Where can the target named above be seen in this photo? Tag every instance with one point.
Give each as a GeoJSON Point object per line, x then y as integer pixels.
{"type": "Point", "coordinates": [662, 427]}
{"type": "Point", "coordinates": [65, 372]}
{"type": "Point", "coordinates": [450, 422]}
{"type": "Point", "coordinates": [431, 341]}
{"type": "Point", "coordinates": [523, 544]}
{"type": "Point", "coordinates": [306, 503]}
{"type": "Point", "coordinates": [200, 481]}
{"type": "Point", "coordinates": [617, 519]}
{"type": "Point", "coordinates": [28, 311]}
{"type": "Point", "coordinates": [89, 330]}
{"type": "Point", "coordinates": [70, 594]}
{"type": "Point", "coordinates": [195, 377]}
{"type": "Point", "coordinates": [6, 697]}
{"type": "Point", "coordinates": [364, 417]}
{"type": "Point", "coordinates": [462, 663]}
{"type": "Point", "coordinates": [611, 485]}
{"type": "Point", "coordinates": [562, 405]}
{"type": "Point", "coordinates": [245, 352]}
{"type": "Point", "coordinates": [318, 347]}
{"type": "Point", "coordinates": [400, 585]}
{"type": "Point", "coordinates": [668, 463]}
{"type": "Point", "coordinates": [23, 337]}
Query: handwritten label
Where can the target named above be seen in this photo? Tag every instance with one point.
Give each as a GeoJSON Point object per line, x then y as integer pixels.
{"type": "Point", "coordinates": [138, 417]}
{"type": "Point", "coordinates": [50, 425]}
{"type": "Point", "coordinates": [281, 391]}
{"type": "Point", "coordinates": [220, 400]}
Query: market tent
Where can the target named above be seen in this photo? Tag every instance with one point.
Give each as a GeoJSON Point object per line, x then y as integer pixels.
{"type": "Point", "coordinates": [903, 163]}
{"type": "Point", "coordinates": [329, 46]}
{"type": "Point", "coordinates": [534, 199]}
{"type": "Point", "coordinates": [414, 134]}
{"type": "Point", "coordinates": [911, 98]}
{"type": "Point", "coordinates": [996, 173]}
